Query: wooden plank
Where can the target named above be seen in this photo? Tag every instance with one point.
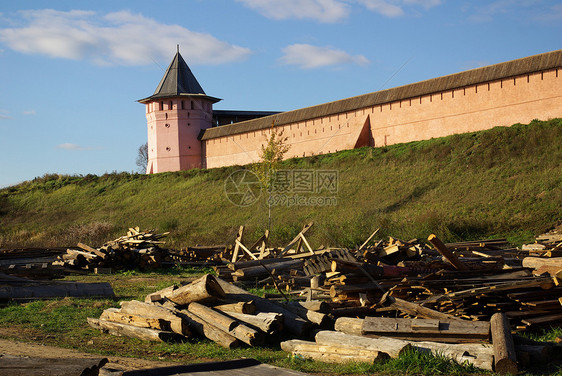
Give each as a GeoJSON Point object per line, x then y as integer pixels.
{"type": "Point", "coordinates": [446, 329]}
{"type": "Point", "coordinates": [368, 240]}
{"type": "Point", "coordinates": [543, 320]}
{"type": "Point", "coordinates": [418, 310]}
{"type": "Point", "coordinates": [240, 245]}
{"type": "Point", "coordinates": [236, 245]}
{"type": "Point", "coordinates": [93, 250]}
{"type": "Point", "coordinates": [31, 366]}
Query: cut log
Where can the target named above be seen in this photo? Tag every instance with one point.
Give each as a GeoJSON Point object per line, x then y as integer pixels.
{"type": "Point", "coordinates": [344, 266]}
{"type": "Point", "coordinates": [147, 334]}
{"type": "Point", "coordinates": [204, 289]}
{"type": "Point", "coordinates": [260, 270]}
{"type": "Point", "coordinates": [248, 335]}
{"type": "Point", "coordinates": [177, 324]}
{"type": "Point", "coordinates": [314, 305]}
{"type": "Point", "coordinates": [160, 295]}
{"type": "Point", "coordinates": [292, 322]}
{"type": "Point", "coordinates": [246, 264]}
{"type": "Point", "coordinates": [217, 319]}
{"type": "Point", "coordinates": [391, 346]}
{"type": "Point", "coordinates": [349, 325]}
{"type": "Point", "coordinates": [505, 359]}
{"type": "Point", "coordinates": [205, 329]}
{"type": "Point", "coordinates": [314, 317]}
{"type": "Point", "coordinates": [331, 354]}
{"type": "Point", "coordinates": [237, 307]}
{"type": "Point", "coordinates": [537, 262]}
{"type": "Point", "coordinates": [115, 315]}
{"type": "Point", "coordinates": [269, 323]}
{"type": "Point", "coordinates": [227, 324]}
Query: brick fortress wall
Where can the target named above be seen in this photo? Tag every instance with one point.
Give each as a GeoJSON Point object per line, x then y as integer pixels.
{"type": "Point", "coordinates": [456, 109]}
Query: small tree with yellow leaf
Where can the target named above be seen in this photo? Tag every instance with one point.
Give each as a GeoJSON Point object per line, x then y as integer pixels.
{"type": "Point", "coordinates": [271, 154]}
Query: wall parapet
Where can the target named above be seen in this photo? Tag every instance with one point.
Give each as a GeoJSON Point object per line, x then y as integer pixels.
{"type": "Point", "coordinates": [492, 73]}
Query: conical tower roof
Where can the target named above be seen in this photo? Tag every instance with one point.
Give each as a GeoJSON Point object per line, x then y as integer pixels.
{"type": "Point", "coordinates": [178, 81]}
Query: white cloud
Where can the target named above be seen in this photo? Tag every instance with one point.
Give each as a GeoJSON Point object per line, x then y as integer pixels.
{"type": "Point", "coordinates": [424, 3]}
{"type": "Point", "coordinates": [331, 10]}
{"type": "Point", "coordinates": [396, 8]}
{"type": "Point", "coordinates": [525, 11]}
{"type": "Point", "coordinates": [4, 114]}
{"type": "Point", "coordinates": [30, 112]}
{"type": "Point", "coordinates": [119, 38]}
{"type": "Point", "coordinates": [552, 14]}
{"type": "Point", "coordinates": [69, 146]}
{"type": "Point", "coordinates": [308, 56]}
{"type": "Point", "coordinates": [383, 7]}
{"type": "Point", "coordinates": [320, 10]}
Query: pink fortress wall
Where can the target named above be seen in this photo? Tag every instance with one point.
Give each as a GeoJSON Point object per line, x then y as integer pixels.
{"type": "Point", "coordinates": [467, 109]}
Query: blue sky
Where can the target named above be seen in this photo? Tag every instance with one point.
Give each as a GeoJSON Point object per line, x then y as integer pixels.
{"type": "Point", "coordinates": [71, 71]}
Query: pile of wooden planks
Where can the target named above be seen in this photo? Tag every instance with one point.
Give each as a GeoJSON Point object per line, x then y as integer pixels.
{"type": "Point", "coordinates": [137, 249]}
{"type": "Point", "coordinates": [35, 263]}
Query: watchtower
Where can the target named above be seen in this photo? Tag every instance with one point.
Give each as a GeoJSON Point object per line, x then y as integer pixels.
{"type": "Point", "coordinates": [176, 114]}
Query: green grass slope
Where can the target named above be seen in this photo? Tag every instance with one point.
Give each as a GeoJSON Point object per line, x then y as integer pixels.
{"type": "Point", "coordinates": [503, 182]}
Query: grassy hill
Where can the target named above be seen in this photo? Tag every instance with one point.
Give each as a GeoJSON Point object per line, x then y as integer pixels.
{"type": "Point", "coordinates": [503, 182]}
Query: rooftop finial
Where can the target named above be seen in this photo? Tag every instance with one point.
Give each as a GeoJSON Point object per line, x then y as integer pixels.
{"type": "Point", "coordinates": [178, 47]}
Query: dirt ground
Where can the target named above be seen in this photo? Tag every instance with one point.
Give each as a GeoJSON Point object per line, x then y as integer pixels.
{"type": "Point", "coordinates": [37, 350]}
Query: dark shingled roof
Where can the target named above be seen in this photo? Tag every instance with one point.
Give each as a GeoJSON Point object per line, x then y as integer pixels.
{"type": "Point", "coordinates": [178, 81]}
{"type": "Point", "coordinates": [536, 63]}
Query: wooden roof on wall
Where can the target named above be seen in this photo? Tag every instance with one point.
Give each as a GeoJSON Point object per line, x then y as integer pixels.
{"type": "Point", "coordinates": [531, 64]}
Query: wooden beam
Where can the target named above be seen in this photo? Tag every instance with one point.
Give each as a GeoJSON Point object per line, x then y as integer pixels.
{"type": "Point", "coordinates": [296, 239]}
{"type": "Point", "coordinates": [236, 245]}
{"type": "Point", "coordinates": [368, 239]}
{"type": "Point", "coordinates": [445, 252]}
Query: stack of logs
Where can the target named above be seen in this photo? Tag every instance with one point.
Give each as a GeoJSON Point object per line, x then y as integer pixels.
{"type": "Point", "coordinates": [208, 307]}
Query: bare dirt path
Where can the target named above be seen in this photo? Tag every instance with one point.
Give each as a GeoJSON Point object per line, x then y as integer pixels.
{"type": "Point", "coordinates": [36, 350]}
